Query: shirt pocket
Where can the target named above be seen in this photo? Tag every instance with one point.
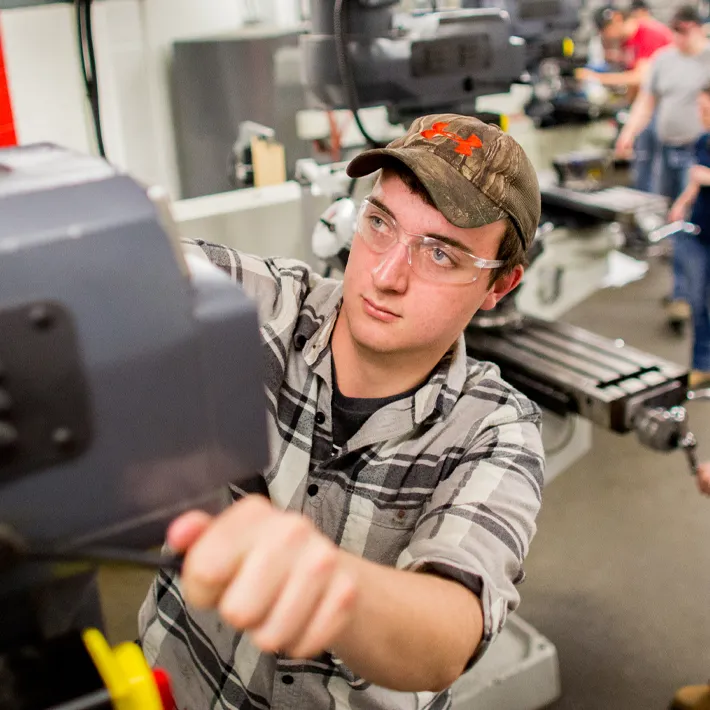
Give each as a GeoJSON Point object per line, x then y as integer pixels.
{"type": "Point", "coordinates": [375, 532]}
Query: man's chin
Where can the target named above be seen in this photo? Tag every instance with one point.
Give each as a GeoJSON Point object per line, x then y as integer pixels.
{"type": "Point", "coordinates": [380, 346]}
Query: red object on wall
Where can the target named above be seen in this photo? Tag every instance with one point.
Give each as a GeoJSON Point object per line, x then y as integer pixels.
{"type": "Point", "coordinates": [7, 122]}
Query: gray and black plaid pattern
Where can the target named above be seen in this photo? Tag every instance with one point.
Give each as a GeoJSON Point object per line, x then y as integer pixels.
{"type": "Point", "coordinates": [447, 481]}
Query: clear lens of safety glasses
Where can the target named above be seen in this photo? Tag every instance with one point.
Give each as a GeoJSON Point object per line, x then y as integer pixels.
{"type": "Point", "coordinates": [430, 258]}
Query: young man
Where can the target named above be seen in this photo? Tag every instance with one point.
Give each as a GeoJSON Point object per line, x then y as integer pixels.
{"type": "Point", "coordinates": [696, 253]}
{"type": "Point", "coordinates": [638, 37]}
{"type": "Point", "coordinates": [380, 559]}
{"type": "Point", "coordinates": [694, 250]}
{"type": "Point", "coordinates": [676, 76]}
{"type": "Point", "coordinates": [640, 10]}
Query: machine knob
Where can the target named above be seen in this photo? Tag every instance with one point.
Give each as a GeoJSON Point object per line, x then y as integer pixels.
{"type": "Point", "coordinates": [667, 430]}
{"type": "Point", "coordinates": [658, 428]}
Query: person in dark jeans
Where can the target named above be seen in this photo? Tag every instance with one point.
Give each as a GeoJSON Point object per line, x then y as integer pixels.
{"type": "Point", "coordinates": [676, 75]}
{"type": "Point", "coordinates": [694, 249]}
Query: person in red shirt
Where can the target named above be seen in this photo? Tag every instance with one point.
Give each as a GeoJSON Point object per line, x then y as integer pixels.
{"type": "Point", "coordinates": [639, 37]}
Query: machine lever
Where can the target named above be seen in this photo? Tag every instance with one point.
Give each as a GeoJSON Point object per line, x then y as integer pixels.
{"type": "Point", "coordinates": [689, 444]}
{"type": "Point", "coordinates": [112, 556]}
{"type": "Point", "coordinates": [668, 230]}
{"type": "Point", "coordinates": [698, 394]}
{"type": "Point", "coordinates": [14, 550]}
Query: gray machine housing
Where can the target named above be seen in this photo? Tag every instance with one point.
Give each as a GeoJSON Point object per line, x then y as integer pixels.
{"type": "Point", "coordinates": [133, 389]}
{"type": "Point", "coordinates": [543, 24]}
{"type": "Point", "coordinates": [439, 61]}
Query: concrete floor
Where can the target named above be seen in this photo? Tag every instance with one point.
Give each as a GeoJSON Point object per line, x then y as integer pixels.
{"type": "Point", "coordinates": [619, 574]}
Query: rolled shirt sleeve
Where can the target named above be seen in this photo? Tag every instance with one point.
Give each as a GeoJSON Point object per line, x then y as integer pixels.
{"type": "Point", "coordinates": [479, 522]}
{"type": "Point", "coordinates": [277, 285]}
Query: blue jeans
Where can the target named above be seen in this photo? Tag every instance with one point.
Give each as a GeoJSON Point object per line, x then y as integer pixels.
{"type": "Point", "coordinates": [675, 164]}
{"type": "Point", "coordinates": [694, 255]}
{"type": "Point", "coordinates": [647, 149]}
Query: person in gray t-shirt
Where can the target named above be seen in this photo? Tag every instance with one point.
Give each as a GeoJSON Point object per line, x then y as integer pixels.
{"type": "Point", "coordinates": [676, 76]}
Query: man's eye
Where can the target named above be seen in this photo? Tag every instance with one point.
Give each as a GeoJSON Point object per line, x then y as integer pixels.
{"type": "Point", "coordinates": [441, 258]}
{"type": "Point", "coordinates": [377, 222]}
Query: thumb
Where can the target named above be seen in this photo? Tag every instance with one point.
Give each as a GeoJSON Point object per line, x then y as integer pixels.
{"type": "Point", "coordinates": [184, 531]}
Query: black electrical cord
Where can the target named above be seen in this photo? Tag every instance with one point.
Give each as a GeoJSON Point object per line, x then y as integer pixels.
{"type": "Point", "coordinates": [346, 74]}
{"type": "Point", "coordinates": [88, 66]}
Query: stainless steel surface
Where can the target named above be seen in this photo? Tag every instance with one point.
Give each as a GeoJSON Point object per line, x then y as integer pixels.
{"type": "Point", "coordinates": [219, 82]}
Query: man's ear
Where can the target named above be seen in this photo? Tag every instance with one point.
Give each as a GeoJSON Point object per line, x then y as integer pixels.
{"type": "Point", "coordinates": [502, 286]}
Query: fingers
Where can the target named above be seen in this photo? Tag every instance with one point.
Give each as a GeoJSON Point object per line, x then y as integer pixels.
{"type": "Point", "coordinates": [623, 146]}
{"type": "Point", "coordinates": [298, 602]}
{"type": "Point", "coordinates": [265, 571]}
{"type": "Point", "coordinates": [331, 619]}
{"type": "Point", "coordinates": [704, 478]}
{"type": "Point", "coordinates": [215, 557]}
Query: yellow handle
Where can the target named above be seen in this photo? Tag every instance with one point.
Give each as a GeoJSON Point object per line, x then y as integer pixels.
{"type": "Point", "coordinates": [125, 673]}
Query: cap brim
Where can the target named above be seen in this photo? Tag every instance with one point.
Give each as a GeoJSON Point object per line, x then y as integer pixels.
{"type": "Point", "coordinates": [458, 199]}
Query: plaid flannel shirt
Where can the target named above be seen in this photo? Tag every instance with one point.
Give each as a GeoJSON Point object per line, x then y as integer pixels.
{"type": "Point", "coordinates": [447, 481]}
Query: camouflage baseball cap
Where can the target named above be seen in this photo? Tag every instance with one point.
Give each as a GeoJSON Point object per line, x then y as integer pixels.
{"type": "Point", "coordinates": [475, 173]}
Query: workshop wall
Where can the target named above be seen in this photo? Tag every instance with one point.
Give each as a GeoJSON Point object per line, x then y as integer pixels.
{"type": "Point", "coordinates": [133, 40]}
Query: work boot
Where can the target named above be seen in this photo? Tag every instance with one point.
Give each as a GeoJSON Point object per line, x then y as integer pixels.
{"type": "Point", "coordinates": [692, 697]}
{"type": "Point", "coordinates": [698, 379]}
{"type": "Point", "coordinates": [678, 314]}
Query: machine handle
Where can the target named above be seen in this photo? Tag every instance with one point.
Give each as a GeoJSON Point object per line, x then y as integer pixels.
{"type": "Point", "coordinates": [698, 394]}
{"type": "Point", "coordinates": [668, 230]}
{"type": "Point", "coordinates": [14, 549]}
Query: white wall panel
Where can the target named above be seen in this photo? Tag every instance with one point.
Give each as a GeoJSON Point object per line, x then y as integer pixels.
{"type": "Point", "coordinates": [42, 63]}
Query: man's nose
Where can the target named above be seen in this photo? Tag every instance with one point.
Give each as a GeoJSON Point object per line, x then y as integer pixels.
{"type": "Point", "coordinates": [392, 273]}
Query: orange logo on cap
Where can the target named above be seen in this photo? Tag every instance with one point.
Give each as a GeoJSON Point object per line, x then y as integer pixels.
{"type": "Point", "coordinates": [464, 146]}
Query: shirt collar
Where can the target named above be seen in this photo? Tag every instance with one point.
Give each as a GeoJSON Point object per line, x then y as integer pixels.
{"type": "Point", "coordinates": [317, 320]}
{"type": "Point", "coordinates": [445, 385]}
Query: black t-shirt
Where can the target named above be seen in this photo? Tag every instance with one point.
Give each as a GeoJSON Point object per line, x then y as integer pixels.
{"type": "Point", "coordinates": [350, 413]}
